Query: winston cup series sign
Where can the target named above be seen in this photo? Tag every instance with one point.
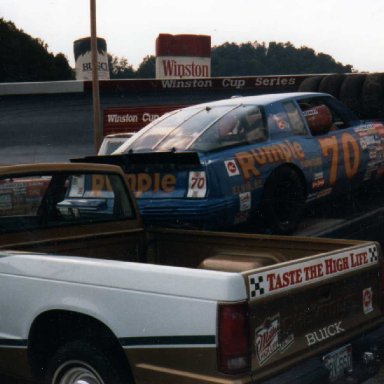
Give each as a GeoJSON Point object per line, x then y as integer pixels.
{"type": "Point", "coordinates": [83, 58]}
{"type": "Point", "coordinates": [183, 56]}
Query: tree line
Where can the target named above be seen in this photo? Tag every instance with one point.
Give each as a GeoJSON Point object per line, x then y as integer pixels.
{"type": "Point", "coordinates": [24, 58]}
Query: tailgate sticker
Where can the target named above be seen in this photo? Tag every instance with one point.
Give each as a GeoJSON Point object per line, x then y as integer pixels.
{"type": "Point", "coordinates": [269, 339]}
{"type": "Point", "coordinates": [281, 279]}
{"type": "Point", "coordinates": [367, 300]}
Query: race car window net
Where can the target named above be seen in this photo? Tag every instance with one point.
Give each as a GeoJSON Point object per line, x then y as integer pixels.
{"type": "Point", "coordinates": [32, 202]}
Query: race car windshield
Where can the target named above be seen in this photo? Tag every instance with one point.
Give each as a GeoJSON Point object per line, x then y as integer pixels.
{"type": "Point", "coordinates": [202, 128]}
{"type": "Point", "coordinates": [176, 131]}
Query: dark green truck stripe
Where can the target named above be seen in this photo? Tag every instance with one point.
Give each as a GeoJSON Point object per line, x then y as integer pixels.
{"type": "Point", "coordinates": [13, 343]}
{"type": "Point", "coordinates": [167, 340]}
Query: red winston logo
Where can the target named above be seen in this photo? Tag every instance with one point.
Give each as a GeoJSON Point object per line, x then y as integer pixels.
{"type": "Point", "coordinates": [172, 68]}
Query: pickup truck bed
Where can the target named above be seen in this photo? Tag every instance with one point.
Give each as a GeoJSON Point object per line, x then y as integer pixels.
{"type": "Point", "coordinates": [86, 282]}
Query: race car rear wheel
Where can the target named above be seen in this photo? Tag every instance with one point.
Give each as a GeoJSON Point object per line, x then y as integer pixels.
{"type": "Point", "coordinates": [283, 201]}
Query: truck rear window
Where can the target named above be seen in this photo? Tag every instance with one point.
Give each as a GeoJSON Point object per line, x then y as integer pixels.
{"type": "Point", "coordinates": [31, 202]}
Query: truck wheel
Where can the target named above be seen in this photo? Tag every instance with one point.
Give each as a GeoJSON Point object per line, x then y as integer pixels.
{"type": "Point", "coordinates": [283, 201]}
{"type": "Point", "coordinates": [80, 362]}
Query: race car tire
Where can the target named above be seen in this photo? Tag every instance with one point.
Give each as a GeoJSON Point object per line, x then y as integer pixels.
{"type": "Point", "coordinates": [350, 93]}
{"type": "Point", "coordinates": [310, 84]}
{"type": "Point", "coordinates": [373, 96]}
{"type": "Point", "coordinates": [80, 361]}
{"type": "Point", "coordinates": [331, 84]}
{"type": "Point", "coordinates": [283, 201]}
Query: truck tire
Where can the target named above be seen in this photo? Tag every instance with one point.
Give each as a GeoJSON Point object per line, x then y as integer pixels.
{"type": "Point", "coordinates": [350, 92]}
{"type": "Point", "coordinates": [373, 96]}
{"type": "Point", "coordinates": [310, 84]}
{"type": "Point", "coordinates": [331, 84]}
{"type": "Point", "coordinates": [82, 362]}
{"type": "Point", "coordinates": [283, 201]}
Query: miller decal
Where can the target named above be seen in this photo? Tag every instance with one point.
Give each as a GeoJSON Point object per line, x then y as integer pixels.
{"type": "Point", "coordinates": [268, 339]}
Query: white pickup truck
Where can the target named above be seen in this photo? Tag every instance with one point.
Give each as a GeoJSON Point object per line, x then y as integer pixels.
{"type": "Point", "coordinates": [89, 296]}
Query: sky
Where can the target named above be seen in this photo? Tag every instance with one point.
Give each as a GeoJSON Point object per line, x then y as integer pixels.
{"type": "Point", "coordinates": [351, 31]}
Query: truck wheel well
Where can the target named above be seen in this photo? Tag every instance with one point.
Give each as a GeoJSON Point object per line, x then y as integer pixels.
{"type": "Point", "coordinates": [53, 329]}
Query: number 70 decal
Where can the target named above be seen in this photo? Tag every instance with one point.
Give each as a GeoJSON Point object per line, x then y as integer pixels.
{"type": "Point", "coordinates": [197, 184]}
{"type": "Point", "coordinates": [350, 151]}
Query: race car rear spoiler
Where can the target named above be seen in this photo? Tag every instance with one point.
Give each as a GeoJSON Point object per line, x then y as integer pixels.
{"type": "Point", "coordinates": [145, 161]}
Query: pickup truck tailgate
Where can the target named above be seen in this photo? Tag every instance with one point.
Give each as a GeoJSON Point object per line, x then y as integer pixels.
{"type": "Point", "coordinates": [313, 305]}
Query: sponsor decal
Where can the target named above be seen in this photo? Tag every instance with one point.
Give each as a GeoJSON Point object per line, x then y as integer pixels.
{"type": "Point", "coordinates": [367, 300]}
{"type": "Point", "coordinates": [379, 129]}
{"type": "Point", "coordinates": [281, 124]}
{"type": "Point", "coordinates": [324, 333]}
{"type": "Point", "coordinates": [274, 281]}
{"type": "Point", "coordinates": [260, 82]}
{"type": "Point", "coordinates": [372, 154]}
{"type": "Point", "coordinates": [241, 217]}
{"type": "Point", "coordinates": [334, 147]}
{"type": "Point", "coordinates": [318, 180]}
{"type": "Point", "coordinates": [269, 340]}
{"type": "Point", "coordinates": [231, 167]}
{"type": "Point", "coordinates": [182, 67]}
{"type": "Point", "coordinates": [130, 119]}
{"type": "Point", "coordinates": [197, 185]}
{"type": "Point", "coordinates": [155, 182]}
{"type": "Point", "coordinates": [312, 163]}
{"type": "Point", "coordinates": [250, 161]}
{"type": "Point", "coordinates": [248, 186]}
{"type": "Point", "coordinates": [275, 81]}
{"type": "Point", "coordinates": [245, 201]}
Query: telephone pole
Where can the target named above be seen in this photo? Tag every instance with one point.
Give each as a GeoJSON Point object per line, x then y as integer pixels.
{"type": "Point", "coordinates": [97, 132]}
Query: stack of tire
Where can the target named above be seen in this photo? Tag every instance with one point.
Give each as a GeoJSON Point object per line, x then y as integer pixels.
{"type": "Point", "coordinates": [363, 93]}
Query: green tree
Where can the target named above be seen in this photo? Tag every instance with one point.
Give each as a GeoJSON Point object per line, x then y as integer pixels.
{"type": "Point", "coordinates": [252, 59]}
{"type": "Point", "coordinates": [119, 68]}
{"type": "Point", "coordinates": [147, 68]}
{"type": "Point", "coordinates": [24, 58]}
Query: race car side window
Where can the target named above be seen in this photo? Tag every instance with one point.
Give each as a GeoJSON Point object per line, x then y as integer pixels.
{"type": "Point", "coordinates": [322, 116]}
{"type": "Point", "coordinates": [295, 119]}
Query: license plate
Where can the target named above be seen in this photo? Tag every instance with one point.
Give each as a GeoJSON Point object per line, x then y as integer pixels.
{"type": "Point", "coordinates": [338, 362]}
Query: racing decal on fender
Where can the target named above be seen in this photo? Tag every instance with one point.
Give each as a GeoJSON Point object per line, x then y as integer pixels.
{"type": "Point", "coordinates": [367, 300]}
{"type": "Point", "coordinates": [197, 185]}
{"type": "Point", "coordinates": [250, 161]}
{"type": "Point", "coordinates": [324, 333]}
{"type": "Point", "coordinates": [245, 201]}
{"type": "Point", "coordinates": [300, 274]}
{"type": "Point", "coordinates": [231, 167]}
{"type": "Point", "coordinates": [156, 182]}
{"type": "Point", "coordinates": [268, 339]}
{"type": "Point", "coordinates": [318, 180]}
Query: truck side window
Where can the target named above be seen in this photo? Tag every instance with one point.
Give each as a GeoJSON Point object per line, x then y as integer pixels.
{"type": "Point", "coordinates": [295, 119]}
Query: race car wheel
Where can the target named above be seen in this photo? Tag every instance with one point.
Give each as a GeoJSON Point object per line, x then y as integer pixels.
{"type": "Point", "coordinates": [80, 362]}
{"type": "Point", "coordinates": [283, 201]}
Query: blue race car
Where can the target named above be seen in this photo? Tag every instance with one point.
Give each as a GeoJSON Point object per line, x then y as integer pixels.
{"type": "Point", "coordinates": [220, 164]}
